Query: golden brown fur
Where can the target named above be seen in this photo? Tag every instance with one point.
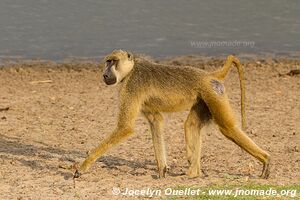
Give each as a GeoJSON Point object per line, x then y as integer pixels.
{"type": "Point", "coordinates": [152, 88]}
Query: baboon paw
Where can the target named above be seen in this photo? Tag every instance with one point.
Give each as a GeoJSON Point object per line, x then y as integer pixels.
{"type": "Point", "coordinates": [77, 174]}
{"type": "Point", "coordinates": [266, 170]}
{"type": "Point", "coordinates": [193, 174]}
{"type": "Point", "coordinates": [76, 168]}
{"type": "Point", "coordinates": [265, 174]}
{"type": "Point", "coordinates": [163, 171]}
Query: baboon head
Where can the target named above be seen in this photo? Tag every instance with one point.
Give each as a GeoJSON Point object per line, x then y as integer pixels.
{"type": "Point", "coordinates": [118, 64]}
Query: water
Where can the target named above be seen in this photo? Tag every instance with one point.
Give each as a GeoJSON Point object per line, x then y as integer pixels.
{"type": "Point", "coordinates": [58, 29]}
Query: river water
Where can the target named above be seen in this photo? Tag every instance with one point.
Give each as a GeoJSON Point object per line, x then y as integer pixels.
{"type": "Point", "coordinates": [58, 29]}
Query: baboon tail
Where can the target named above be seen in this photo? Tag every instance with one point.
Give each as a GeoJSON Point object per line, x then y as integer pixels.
{"type": "Point", "coordinates": [221, 74]}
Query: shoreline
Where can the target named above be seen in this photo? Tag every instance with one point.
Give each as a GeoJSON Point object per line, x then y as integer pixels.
{"type": "Point", "coordinates": [294, 55]}
{"type": "Point", "coordinates": [203, 62]}
{"type": "Point", "coordinates": [4, 61]}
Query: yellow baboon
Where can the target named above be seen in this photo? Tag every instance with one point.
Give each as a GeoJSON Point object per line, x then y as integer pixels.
{"type": "Point", "coordinates": [152, 88]}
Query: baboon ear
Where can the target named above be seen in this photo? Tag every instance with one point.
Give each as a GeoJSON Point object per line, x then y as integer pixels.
{"type": "Point", "coordinates": [129, 55]}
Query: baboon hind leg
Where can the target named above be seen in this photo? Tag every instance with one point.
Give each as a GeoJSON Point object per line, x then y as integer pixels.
{"type": "Point", "coordinates": [194, 129]}
{"type": "Point", "coordinates": [156, 125]}
{"type": "Point", "coordinates": [223, 115]}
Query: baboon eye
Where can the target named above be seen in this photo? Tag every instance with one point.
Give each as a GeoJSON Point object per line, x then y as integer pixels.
{"type": "Point", "coordinates": [129, 55]}
{"type": "Point", "coordinates": [109, 62]}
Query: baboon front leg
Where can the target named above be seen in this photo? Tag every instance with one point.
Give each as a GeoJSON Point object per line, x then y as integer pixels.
{"type": "Point", "coordinates": [129, 109]}
{"type": "Point", "coordinates": [156, 125]}
{"type": "Point", "coordinates": [194, 129]}
{"type": "Point", "coordinates": [117, 136]}
{"type": "Point", "coordinates": [224, 117]}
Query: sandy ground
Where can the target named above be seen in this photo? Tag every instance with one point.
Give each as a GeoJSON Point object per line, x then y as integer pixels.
{"type": "Point", "coordinates": [57, 122]}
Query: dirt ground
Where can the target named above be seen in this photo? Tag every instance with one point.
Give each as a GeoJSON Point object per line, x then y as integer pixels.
{"type": "Point", "coordinates": [56, 122]}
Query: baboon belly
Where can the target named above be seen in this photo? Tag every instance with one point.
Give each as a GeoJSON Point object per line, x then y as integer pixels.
{"type": "Point", "coordinates": [169, 104]}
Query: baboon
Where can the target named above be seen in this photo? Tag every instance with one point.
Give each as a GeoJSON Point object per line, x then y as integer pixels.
{"type": "Point", "coordinates": [152, 88]}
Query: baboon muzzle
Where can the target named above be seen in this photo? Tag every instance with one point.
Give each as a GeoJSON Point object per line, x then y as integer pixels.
{"type": "Point", "coordinates": [109, 79]}
{"type": "Point", "coordinates": [108, 75]}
